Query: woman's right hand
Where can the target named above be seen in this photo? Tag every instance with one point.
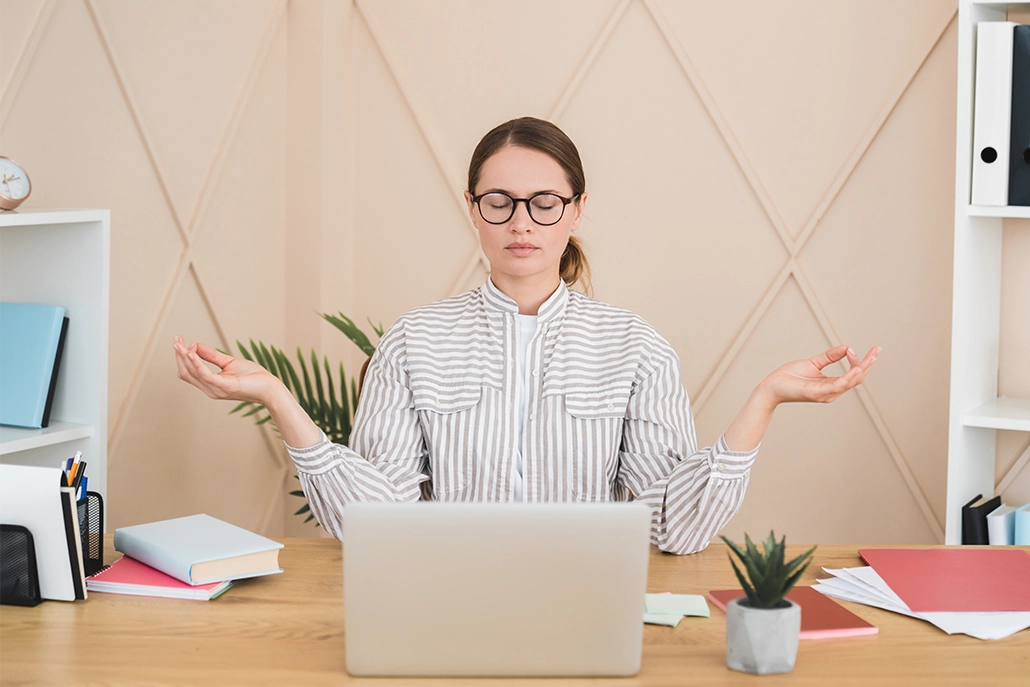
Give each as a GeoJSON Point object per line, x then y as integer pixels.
{"type": "Point", "coordinates": [237, 379]}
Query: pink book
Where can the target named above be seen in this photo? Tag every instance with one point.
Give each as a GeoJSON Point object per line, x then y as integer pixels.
{"type": "Point", "coordinates": [129, 576]}
{"type": "Point", "coordinates": [821, 616]}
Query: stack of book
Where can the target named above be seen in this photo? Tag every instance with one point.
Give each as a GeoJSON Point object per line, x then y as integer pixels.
{"type": "Point", "coordinates": [986, 520]}
{"type": "Point", "coordinates": [194, 557]}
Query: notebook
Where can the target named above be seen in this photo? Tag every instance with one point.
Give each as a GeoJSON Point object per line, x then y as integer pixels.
{"type": "Point", "coordinates": [31, 341]}
{"type": "Point", "coordinates": [198, 549]}
{"type": "Point", "coordinates": [821, 617]}
{"type": "Point", "coordinates": [128, 576]}
{"type": "Point", "coordinates": [489, 589]}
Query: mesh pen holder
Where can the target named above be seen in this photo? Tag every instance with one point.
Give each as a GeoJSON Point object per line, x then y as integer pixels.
{"type": "Point", "coordinates": [91, 529]}
{"type": "Point", "coordinates": [19, 577]}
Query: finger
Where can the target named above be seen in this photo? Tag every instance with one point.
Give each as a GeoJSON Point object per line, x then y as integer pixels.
{"type": "Point", "coordinates": [213, 355]}
{"type": "Point", "coordinates": [180, 361]}
{"type": "Point", "coordinates": [870, 357]}
{"type": "Point", "coordinates": [853, 361]}
{"type": "Point", "coordinates": [829, 357]}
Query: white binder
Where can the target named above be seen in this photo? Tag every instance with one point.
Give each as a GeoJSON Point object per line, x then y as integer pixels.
{"type": "Point", "coordinates": [992, 110]}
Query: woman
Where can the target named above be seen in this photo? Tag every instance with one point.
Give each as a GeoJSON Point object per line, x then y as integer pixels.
{"type": "Point", "coordinates": [524, 390]}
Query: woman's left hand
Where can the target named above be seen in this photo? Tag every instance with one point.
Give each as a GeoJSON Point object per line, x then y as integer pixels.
{"type": "Point", "coordinates": [803, 380]}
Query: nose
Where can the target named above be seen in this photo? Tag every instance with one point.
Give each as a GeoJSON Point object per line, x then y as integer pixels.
{"type": "Point", "coordinates": [520, 221]}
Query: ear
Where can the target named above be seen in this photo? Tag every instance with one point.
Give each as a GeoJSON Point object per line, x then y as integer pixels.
{"type": "Point", "coordinates": [580, 205]}
{"type": "Point", "coordinates": [471, 206]}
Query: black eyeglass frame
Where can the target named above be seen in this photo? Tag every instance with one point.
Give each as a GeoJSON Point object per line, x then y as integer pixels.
{"type": "Point", "coordinates": [529, 205]}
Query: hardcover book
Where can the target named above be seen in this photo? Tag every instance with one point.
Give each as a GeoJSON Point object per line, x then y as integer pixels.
{"type": "Point", "coordinates": [199, 549]}
{"type": "Point", "coordinates": [31, 342]}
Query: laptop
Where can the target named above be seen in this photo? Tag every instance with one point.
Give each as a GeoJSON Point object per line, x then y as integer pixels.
{"type": "Point", "coordinates": [488, 589]}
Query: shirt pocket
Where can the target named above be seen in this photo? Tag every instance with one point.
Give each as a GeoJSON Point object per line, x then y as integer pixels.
{"type": "Point", "coordinates": [596, 419]}
{"type": "Point", "coordinates": [449, 417]}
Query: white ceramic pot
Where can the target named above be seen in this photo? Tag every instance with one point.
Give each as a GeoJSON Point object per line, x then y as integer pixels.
{"type": "Point", "coordinates": [761, 641]}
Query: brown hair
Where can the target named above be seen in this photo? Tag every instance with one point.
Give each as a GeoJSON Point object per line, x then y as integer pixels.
{"type": "Point", "coordinates": [545, 137]}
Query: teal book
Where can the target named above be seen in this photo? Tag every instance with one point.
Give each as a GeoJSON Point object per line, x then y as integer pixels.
{"type": "Point", "coordinates": [199, 549]}
{"type": "Point", "coordinates": [31, 342]}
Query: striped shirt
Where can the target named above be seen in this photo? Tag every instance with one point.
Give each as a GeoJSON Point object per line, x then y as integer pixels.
{"type": "Point", "coordinates": [608, 419]}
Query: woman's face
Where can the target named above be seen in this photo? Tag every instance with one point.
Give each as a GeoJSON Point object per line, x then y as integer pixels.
{"type": "Point", "coordinates": [520, 250]}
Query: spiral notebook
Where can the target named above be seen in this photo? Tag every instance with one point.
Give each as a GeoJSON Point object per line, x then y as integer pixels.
{"type": "Point", "coordinates": [129, 576]}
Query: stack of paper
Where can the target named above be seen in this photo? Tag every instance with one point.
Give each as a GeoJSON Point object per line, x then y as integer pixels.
{"type": "Point", "coordinates": [978, 592]}
{"type": "Point", "coordinates": [669, 609]}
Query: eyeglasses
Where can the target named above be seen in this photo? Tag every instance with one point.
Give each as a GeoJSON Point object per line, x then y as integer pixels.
{"type": "Point", "coordinates": [544, 208]}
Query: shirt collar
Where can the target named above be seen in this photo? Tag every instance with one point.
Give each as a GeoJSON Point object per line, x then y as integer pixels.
{"type": "Point", "coordinates": [552, 308]}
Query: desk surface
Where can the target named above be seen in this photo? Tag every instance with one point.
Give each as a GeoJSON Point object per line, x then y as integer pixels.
{"type": "Point", "coordinates": [288, 630]}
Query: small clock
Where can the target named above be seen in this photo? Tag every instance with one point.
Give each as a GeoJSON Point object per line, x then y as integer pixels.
{"type": "Point", "coordinates": [14, 184]}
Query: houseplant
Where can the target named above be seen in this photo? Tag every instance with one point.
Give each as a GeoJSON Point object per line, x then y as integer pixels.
{"type": "Point", "coordinates": [762, 628]}
{"type": "Point", "coordinates": [331, 411]}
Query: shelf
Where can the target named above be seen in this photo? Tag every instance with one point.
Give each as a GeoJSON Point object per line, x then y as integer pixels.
{"type": "Point", "coordinates": [1001, 413]}
{"type": "Point", "coordinates": [1021, 211]}
{"type": "Point", "coordinates": [13, 439]}
{"type": "Point", "coordinates": [38, 217]}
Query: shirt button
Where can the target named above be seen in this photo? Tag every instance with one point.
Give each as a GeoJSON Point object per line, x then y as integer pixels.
{"type": "Point", "coordinates": [720, 466]}
{"type": "Point", "coordinates": [532, 416]}
{"type": "Point", "coordinates": [436, 404]}
{"type": "Point", "coordinates": [611, 406]}
{"type": "Point", "coordinates": [536, 373]}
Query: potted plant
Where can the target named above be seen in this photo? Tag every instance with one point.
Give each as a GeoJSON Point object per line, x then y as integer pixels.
{"type": "Point", "coordinates": [762, 628]}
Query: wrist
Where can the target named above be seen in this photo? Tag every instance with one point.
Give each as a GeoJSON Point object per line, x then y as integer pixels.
{"type": "Point", "coordinates": [764, 398]}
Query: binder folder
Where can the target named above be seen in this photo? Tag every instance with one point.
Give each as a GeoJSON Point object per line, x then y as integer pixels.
{"type": "Point", "coordinates": [1019, 143]}
{"type": "Point", "coordinates": [992, 109]}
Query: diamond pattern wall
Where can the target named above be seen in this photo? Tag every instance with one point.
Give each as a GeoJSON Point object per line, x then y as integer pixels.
{"type": "Point", "coordinates": [765, 180]}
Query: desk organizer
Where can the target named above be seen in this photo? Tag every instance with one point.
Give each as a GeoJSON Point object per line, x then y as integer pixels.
{"type": "Point", "coordinates": [91, 529]}
{"type": "Point", "coordinates": [19, 577]}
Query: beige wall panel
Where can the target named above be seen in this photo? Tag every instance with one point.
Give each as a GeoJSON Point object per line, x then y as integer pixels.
{"type": "Point", "coordinates": [823, 473]}
{"type": "Point", "coordinates": [800, 82]}
{"type": "Point", "coordinates": [185, 62]}
{"type": "Point", "coordinates": [69, 126]}
{"type": "Point", "coordinates": [1014, 372]}
{"type": "Point", "coordinates": [17, 19]}
{"type": "Point", "coordinates": [181, 452]}
{"type": "Point", "coordinates": [239, 241]}
{"type": "Point", "coordinates": [472, 64]}
{"type": "Point", "coordinates": [670, 219]}
{"type": "Point", "coordinates": [412, 238]}
{"type": "Point", "coordinates": [880, 263]}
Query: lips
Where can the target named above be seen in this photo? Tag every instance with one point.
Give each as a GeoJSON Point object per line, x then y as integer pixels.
{"type": "Point", "coordinates": [520, 249]}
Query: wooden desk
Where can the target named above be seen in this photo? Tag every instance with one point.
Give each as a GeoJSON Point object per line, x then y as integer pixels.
{"type": "Point", "coordinates": [288, 630]}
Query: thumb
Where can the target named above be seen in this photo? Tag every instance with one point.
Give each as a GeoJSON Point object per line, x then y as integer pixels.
{"type": "Point", "coordinates": [213, 356]}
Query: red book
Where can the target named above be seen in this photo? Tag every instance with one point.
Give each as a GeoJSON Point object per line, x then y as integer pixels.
{"type": "Point", "coordinates": [129, 576]}
{"type": "Point", "coordinates": [821, 616]}
{"type": "Point", "coordinates": [955, 579]}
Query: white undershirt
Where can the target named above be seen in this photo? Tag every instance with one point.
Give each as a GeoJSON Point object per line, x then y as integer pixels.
{"type": "Point", "coordinates": [524, 331]}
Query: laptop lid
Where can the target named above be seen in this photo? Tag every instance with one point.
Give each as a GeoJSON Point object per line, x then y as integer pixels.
{"type": "Point", "coordinates": [487, 589]}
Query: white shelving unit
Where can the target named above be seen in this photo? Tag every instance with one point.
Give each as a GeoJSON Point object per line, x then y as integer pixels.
{"type": "Point", "coordinates": [62, 258]}
{"type": "Point", "coordinates": [976, 410]}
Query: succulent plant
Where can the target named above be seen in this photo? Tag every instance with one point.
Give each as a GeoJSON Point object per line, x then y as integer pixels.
{"type": "Point", "coordinates": [770, 577]}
